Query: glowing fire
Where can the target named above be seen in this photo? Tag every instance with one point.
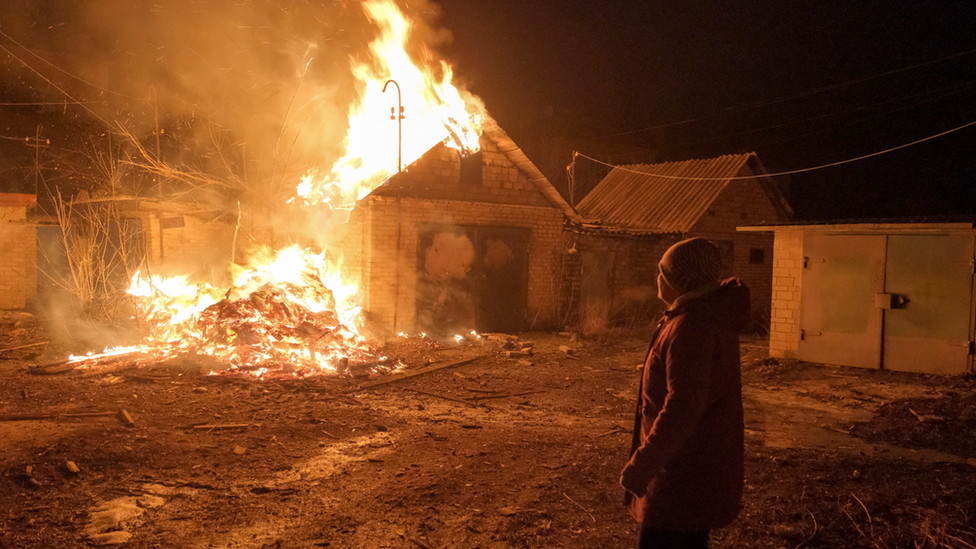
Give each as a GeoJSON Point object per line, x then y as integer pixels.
{"type": "Point", "coordinates": [435, 112]}
{"type": "Point", "coordinates": [290, 309]}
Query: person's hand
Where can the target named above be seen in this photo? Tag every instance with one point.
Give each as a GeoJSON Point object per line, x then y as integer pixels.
{"type": "Point", "coordinates": [633, 481]}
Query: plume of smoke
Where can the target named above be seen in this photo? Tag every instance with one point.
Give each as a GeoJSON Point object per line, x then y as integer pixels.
{"type": "Point", "coordinates": [251, 91]}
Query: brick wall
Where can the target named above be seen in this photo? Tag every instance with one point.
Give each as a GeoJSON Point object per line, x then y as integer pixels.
{"type": "Point", "coordinates": [437, 176]}
{"type": "Point", "coordinates": [18, 257]}
{"type": "Point", "coordinates": [633, 279]}
{"type": "Point", "coordinates": [784, 329]}
{"type": "Point", "coordinates": [201, 249]}
{"type": "Point", "coordinates": [744, 202]}
{"type": "Point", "coordinates": [431, 192]}
{"type": "Point", "coordinates": [386, 298]}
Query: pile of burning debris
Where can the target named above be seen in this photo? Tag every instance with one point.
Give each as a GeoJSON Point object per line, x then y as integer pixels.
{"type": "Point", "coordinates": [279, 318]}
{"type": "Point", "coordinates": [270, 329]}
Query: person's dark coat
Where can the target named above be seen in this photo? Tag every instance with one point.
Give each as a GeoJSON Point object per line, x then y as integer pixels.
{"type": "Point", "coordinates": [688, 443]}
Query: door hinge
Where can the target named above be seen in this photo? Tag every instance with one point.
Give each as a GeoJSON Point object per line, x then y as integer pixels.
{"type": "Point", "coordinates": [972, 348]}
{"type": "Point", "coordinates": [805, 334]}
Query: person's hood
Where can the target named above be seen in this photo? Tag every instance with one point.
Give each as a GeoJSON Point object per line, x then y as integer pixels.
{"type": "Point", "coordinates": [728, 304]}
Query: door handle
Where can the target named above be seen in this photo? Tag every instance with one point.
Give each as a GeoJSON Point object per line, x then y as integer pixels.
{"type": "Point", "coordinates": [890, 301]}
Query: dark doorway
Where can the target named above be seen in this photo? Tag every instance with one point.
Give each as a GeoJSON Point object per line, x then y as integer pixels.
{"type": "Point", "coordinates": [472, 278]}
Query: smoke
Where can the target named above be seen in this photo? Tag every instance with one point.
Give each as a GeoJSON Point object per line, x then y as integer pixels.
{"type": "Point", "coordinates": [253, 92]}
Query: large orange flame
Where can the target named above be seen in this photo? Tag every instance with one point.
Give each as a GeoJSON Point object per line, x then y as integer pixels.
{"type": "Point", "coordinates": [434, 112]}
{"type": "Point", "coordinates": [291, 307]}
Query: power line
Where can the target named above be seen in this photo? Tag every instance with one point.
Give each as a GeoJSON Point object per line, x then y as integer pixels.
{"type": "Point", "coordinates": [60, 103]}
{"type": "Point", "coordinates": [46, 79]}
{"type": "Point", "coordinates": [45, 61]}
{"type": "Point", "coordinates": [943, 94]}
{"type": "Point", "coordinates": [790, 172]}
{"type": "Point", "coordinates": [789, 97]}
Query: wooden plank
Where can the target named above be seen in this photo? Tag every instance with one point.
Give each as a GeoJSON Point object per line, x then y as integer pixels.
{"type": "Point", "coordinates": [32, 417]}
{"type": "Point", "coordinates": [452, 399]}
{"type": "Point", "coordinates": [24, 346]}
{"type": "Point", "coordinates": [506, 395]}
{"type": "Point", "coordinates": [420, 372]}
{"type": "Point", "coordinates": [51, 369]}
{"type": "Point", "coordinates": [220, 427]}
{"type": "Point", "coordinates": [126, 419]}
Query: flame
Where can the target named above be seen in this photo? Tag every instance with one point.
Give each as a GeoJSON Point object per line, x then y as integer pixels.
{"type": "Point", "coordinates": [290, 309]}
{"type": "Point", "coordinates": [434, 112]}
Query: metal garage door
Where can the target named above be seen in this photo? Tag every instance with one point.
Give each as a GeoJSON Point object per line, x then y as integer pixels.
{"type": "Point", "coordinates": [930, 331]}
{"type": "Point", "coordinates": [839, 322]}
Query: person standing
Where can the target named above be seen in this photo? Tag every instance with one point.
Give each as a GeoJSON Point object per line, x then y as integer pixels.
{"type": "Point", "coordinates": [685, 473]}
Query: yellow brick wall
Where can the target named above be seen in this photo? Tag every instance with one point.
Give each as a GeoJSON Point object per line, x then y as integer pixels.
{"type": "Point", "coordinates": [201, 249]}
{"type": "Point", "coordinates": [744, 202]}
{"type": "Point", "coordinates": [633, 279]}
{"type": "Point", "coordinates": [784, 330]}
{"type": "Point", "coordinates": [384, 298]}
{"type": "Point", "coordinates": [18, 257]}
{"type": "Point", "coordinates": [436, 176]}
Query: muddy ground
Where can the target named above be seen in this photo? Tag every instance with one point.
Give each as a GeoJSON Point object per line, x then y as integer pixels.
{"type": "Point", "coordinates": [492, 453]}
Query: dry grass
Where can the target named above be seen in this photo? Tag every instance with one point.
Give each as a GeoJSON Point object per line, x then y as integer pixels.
{"type": "Point", "coordinates": [99, 255]}
{"type": "Point", "coordinates": [811, 499]}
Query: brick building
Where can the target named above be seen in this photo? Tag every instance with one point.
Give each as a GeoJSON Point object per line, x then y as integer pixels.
{"type": "Point", "coordinates": [454, 243]}
{"type": "Point", "coordinates": [636, 212]}
{"type": "Point", "coordinates": [116, 236]}
{"type": "Point", "coordinates": [897, 296]}
{"type": "Point", "coordinates": [18, 251]}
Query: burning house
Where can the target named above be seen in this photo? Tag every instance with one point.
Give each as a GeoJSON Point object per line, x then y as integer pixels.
{"type": "Point", "coordinates": [460, 242]}
{"type": "Point", "coordinates": [430, 220]}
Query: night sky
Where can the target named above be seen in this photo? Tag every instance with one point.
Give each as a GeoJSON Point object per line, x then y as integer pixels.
{"type": "Point", "coordinates": [801, 83]}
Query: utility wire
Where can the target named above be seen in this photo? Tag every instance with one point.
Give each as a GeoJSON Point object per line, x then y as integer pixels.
{"type": "Point", "coordinates": [46, 79]}
{"type": "Point", "coordinates": [45, 61]}
{"type": "Point", "coordinates": [789, 97]}
{"type": "Point", "coordinates": [944, 93]}
{"type": "Point", "coordinates": [790, 172]}
{"type": "Point", "coordinates": [60, 103]}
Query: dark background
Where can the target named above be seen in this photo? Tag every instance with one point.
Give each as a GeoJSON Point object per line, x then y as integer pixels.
{"type": "Point", "coordinates": [801, 83]}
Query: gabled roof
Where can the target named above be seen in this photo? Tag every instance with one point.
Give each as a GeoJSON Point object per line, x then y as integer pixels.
{"type": "Point", "coordinates": [493, 131]}
{"type": "Point", "coordinates": [670, 197]}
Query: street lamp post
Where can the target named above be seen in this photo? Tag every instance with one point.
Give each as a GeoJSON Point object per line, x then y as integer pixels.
{"type": "Point", "coordinates": [397, 114]}
{"type": "Point", "coordinates": [399, 119]}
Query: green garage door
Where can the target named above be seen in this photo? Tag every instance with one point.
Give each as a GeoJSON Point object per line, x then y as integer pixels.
{"type": "Point", "coordinates": [839, 322]}
{"type": "Point", "coordinates": [930, 331]}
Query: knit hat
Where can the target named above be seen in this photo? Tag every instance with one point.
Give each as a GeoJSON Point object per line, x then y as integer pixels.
{"type": "Point", "coordinates": [691, 264]}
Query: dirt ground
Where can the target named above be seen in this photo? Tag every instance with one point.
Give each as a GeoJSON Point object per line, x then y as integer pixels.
{"type": "Point", "coordinates": [493, 453]}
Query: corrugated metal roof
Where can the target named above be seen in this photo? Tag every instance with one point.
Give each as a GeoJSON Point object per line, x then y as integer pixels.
{"type": "Point", "coordinates": [666, 198]}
